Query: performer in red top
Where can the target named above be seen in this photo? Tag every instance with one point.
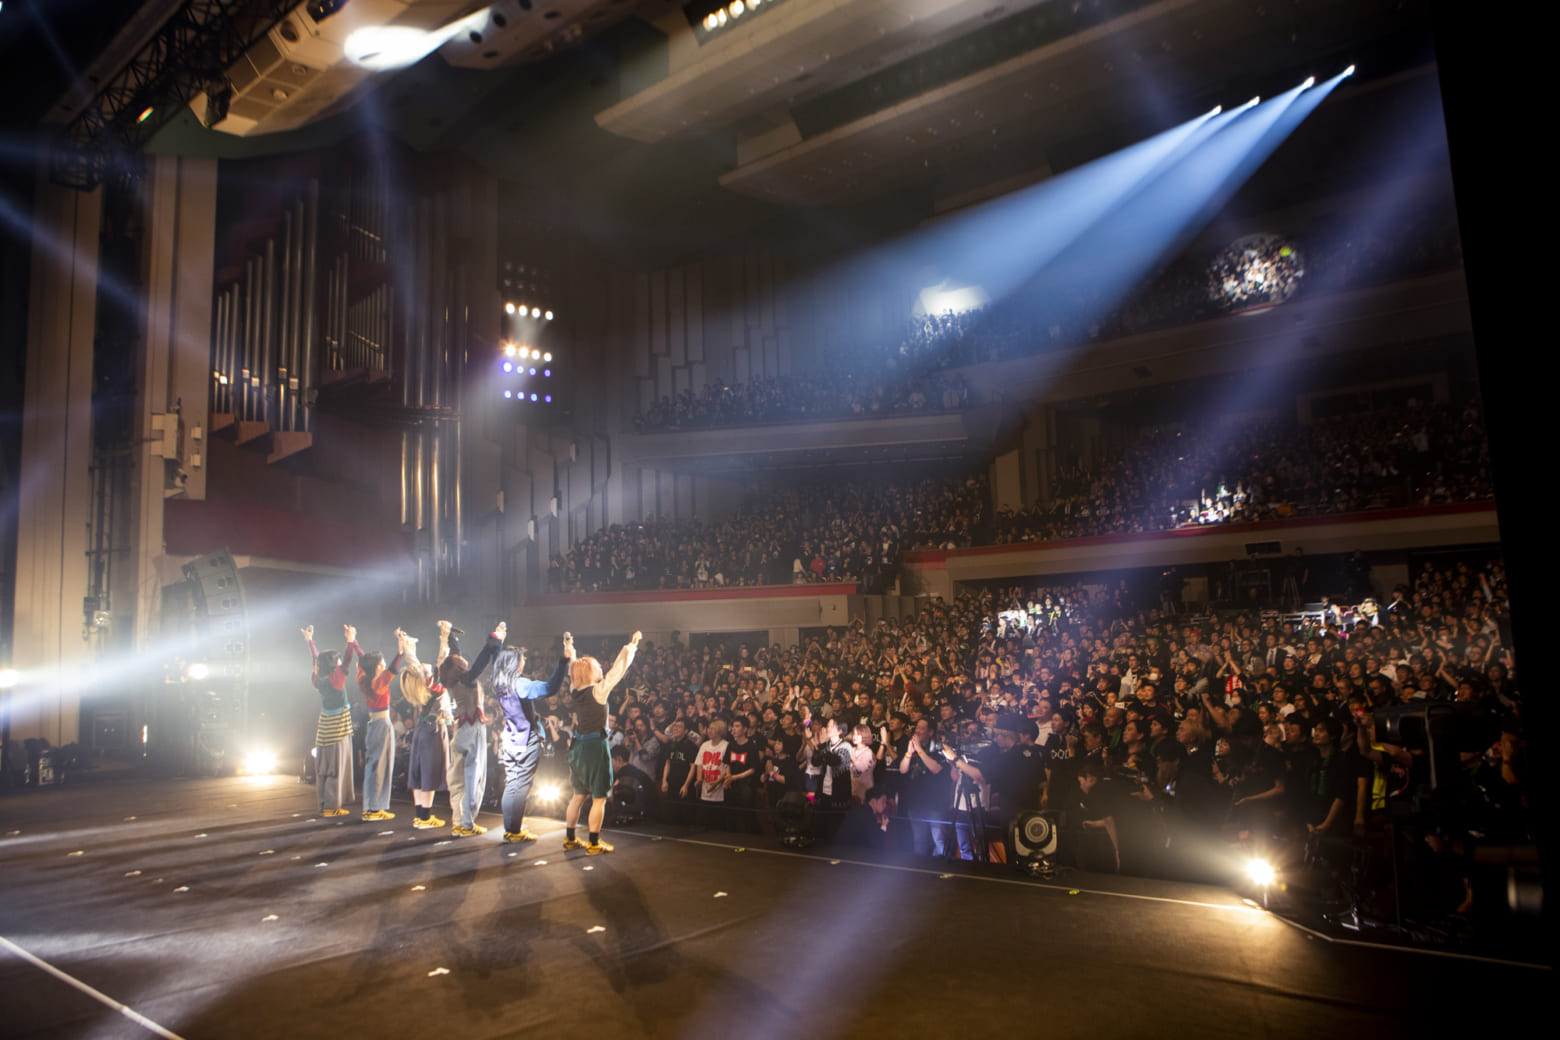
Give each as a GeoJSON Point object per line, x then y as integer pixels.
{"type": "Point", "coordinates": [379, 742]}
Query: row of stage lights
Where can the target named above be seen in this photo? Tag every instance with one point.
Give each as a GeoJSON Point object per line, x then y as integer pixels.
{"type": "Point", "coordinates": [520, 395]}
{"type": "Point", "coordinates": [1310, 81]}
{"type": "Point", "coordinates": [718, 19]}
{"type": "Point", "coordinates": [526, 353]}
{"type": "Point", "coordinates": [521, 310]}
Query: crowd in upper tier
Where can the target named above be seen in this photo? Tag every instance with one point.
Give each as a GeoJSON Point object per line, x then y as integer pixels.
{"type": "Point", "coordinates": [905, 374]}
{"type": "Point", "coordinates": [1158, 479]}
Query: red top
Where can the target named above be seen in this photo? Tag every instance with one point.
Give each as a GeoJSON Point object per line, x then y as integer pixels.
{"type": "Point", "coordinates": [379, 700]}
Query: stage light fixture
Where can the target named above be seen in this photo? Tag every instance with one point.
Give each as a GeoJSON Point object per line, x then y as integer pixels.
{"type": "Point", "coordinates": [319, 10]}
{"type": "Point", "coordinates": [546, 373]}
{"type": "Point", "coordinates": [1261, 872]}
{"type": "Point", "coordinates": [1310, 81]}
{"type": "Point", "coordinates": [509, 350]}
{"type": "Point", "coordinates": [548, 315]}
{"type": "Point", "coordinates": [536, 312]}
{"type": "Point", "coordinates": [533, 397]}
{"type": "Point", "coordinates": [532, 372]}
{"type": "Point", "coordinates": [260, 762]}
{"type": "Point", "coordinates": [547, 356]}
{"type": "Point", "coordinates": [547, 399]}
{"type": "Point", "coordinates": [508, 394]}
{"type": "Point", "coordinates": [508, 367]}
{"type": "Point", "coordinates": [711, 23]}
{"type": "Point", "coordinates": [197, 671]}
{"type": "Point", "coordinates": [550, 793]}
{"type": "Point", "coordinates": [9, 678]}
{"type": "Point", "coordinates": [720, 16]}
{"type": "Point", "coordinates": [1349, 71]}
{"type": "Point", "coordinates": [509, 308]}
{"type": "Point", "coordinates": [738, 9]}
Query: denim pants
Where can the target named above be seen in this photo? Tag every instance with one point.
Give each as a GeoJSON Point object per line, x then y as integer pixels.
{"type": "Point", "coordinates": [519, 769]}
{"type": "Point", "coordinates": [378, 764]}
{"type": "Point", "coordinates": [466, 773]}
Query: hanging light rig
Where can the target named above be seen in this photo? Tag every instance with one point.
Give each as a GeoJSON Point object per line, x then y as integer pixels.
{"type": "Point", "coordinates": [526, 373]}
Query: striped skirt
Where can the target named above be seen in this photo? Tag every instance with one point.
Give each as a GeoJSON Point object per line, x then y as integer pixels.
{"type": "Point", "coordinates": [334, 727]}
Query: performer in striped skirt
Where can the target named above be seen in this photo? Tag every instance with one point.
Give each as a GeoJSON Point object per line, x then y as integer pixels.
{"type": "Point", "coordinates": [333, 734]}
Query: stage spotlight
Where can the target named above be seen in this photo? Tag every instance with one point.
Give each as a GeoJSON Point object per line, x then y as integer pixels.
{"type": "Point", "coordinates": [260, 762]}
{"type": "Point", "coordinates": [1310, 81]}
{"type": "Point", "coordinates": [9, 678]}
{"type": "Point", "coordinates": [319, 10]}
{"type": "Point", "coordinates": [197, 671]}
{"type": "Point", "coordinates": [720, 16]}
{"type": "Point", "coordinates": [1261, 872]}
{"type": "Point", "coordinates": [146, 114]}
{"type": "Point", "coordinates": [509, 308]}
{"type": "Point", "coordinates": [1216, 110]}
{"type": "Point", "coordinates": [508, 367]}
{"type": "Point", "coordinates": [533, 397]}
{"type": "Point", "coordinates": [547, 356]}
{"type": "Point", "coordinates": [508, 394]}
{"type": "Point", "coordinates": [548, 315]}
{"type": "Point", "coordinates": [1349, 71]}
{"type": "Point", "coordinates": [710, 24]}
{"type": "Point", "coordinates": [546, 373]}
{"type": "Point", "coordinates": [738, 9]}
{"type": "Point", "coordinates": [547, 399]}
{"type": "Point", "coordinates": [1254, 102]}
{"type": "Point", "coordinates": [550, 793]}
{"type": "Point", "coordinates": [509, 350]}
{"type": "Point", "coordinates": [531, 372]}
{"type": "Point", "coordinates": [536, 312]}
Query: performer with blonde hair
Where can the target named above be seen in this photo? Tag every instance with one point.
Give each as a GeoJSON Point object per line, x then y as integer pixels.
{"type": "Point", "coordinates": [426, 764]}
{"type": "Point", "coordinates": [590, 761]}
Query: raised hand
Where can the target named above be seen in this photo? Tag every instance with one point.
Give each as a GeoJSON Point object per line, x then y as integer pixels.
{"type": "Point", "coordinates": [351, 632]}
{"type": "Point", "coordinates": [568, 646]}
{"type": "Point", "coordinates": [637, 637]}
{"type": "Point", "coordinates": [308, 632]}
{"type": "Point", "coordinates": [501, 630]}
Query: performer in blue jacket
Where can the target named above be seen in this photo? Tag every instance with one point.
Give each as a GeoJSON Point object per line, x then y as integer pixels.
{"type": "Point", "coordinates": [520, 747]}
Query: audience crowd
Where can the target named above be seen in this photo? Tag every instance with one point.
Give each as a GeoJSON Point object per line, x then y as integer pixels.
{"type": "Point", "coordinates": [1168, 742]}
{"type": "Point", "coordinates": [1158, 479]}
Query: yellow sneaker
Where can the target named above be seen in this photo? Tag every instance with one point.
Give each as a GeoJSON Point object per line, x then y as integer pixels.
{"type": "Point", "coordinates": [570, 844]}
{"type": "Point", "coordinates": [434, 821]}
{"type": "Point", "coordinates": [469, 832]}
{"type": "Point", "coordinates": [520, 835]}
{"type": "Point", "coordinates": [423, 825]}
{"type": "Point", "coordinates": [597, 848]}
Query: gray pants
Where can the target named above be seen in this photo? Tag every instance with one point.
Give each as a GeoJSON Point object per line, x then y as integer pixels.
{"type": "Point", "coordinates": [333, 774]}
{"type": "Point", "coordinates": [465, 773]}
{"type": "Point", "coordinates": [378, 764]}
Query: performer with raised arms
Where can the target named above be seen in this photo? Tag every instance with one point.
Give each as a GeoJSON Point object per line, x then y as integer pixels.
{"type": "Point", "coordinates": [590, 761]}
{"type": "Point", "coordinates": [520, 747]}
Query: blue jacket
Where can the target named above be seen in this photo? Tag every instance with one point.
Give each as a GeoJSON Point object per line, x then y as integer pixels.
{"type": "Point", "coordinates": [519, 704]}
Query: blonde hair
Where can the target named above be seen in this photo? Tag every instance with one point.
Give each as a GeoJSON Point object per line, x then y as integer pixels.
{"type": "Point", "coordinates": [414, 686]}
{"type": "Point", "coordinates": [584, 672]}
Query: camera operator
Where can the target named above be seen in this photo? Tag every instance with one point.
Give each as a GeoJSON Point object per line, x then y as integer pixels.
{"type": "Point", "coordinates": [632, 795]}
{"type": "Point", "coordinates": [970, 792]}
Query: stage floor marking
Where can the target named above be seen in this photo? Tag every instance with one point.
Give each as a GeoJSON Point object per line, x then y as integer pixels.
{"type": "Point", "coordinates": [102, 998]}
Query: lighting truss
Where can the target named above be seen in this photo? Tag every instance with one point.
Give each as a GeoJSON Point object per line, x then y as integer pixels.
{"type": "Point", "coordinates": [196, 45]}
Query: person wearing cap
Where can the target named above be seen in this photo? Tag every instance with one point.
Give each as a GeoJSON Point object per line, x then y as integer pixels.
{"type": "Point", "coordinates": [1015, 771]}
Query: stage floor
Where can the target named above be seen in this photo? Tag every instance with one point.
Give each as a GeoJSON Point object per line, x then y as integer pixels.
{"type": "Point", "coordinates": [224, 908]}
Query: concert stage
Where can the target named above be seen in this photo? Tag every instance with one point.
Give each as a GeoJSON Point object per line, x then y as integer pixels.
{"type": "Point", "coordinates": [224, 908]}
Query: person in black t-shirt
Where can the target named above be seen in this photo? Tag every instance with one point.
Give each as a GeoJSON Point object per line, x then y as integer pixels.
{"type": "Point", "coordinates": [747, 766]}
{"type": "Point", "coordinates": [677, 761]}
